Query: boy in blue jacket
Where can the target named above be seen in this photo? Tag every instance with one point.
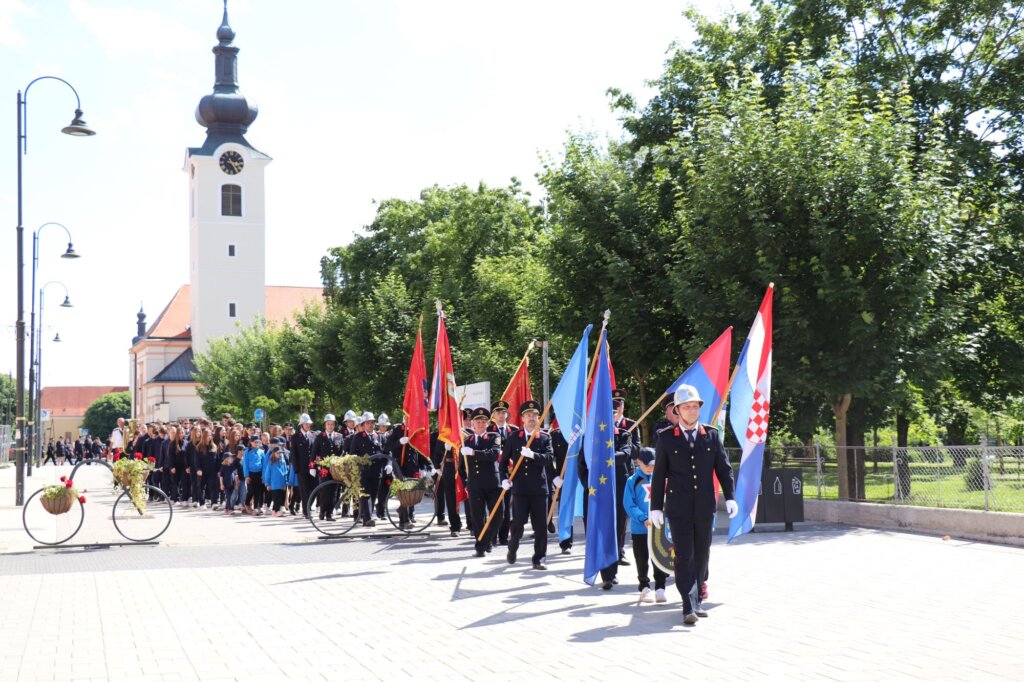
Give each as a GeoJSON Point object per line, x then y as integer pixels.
{"type": "Point", "coordinates": [636, 499]}
{"type": "Point", "coordinates": [275, 475]}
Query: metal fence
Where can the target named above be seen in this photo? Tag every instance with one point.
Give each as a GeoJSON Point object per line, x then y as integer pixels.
{"type": "Point", "coordinates": [5, 443]}
{"type": "Point", "coordinates": [954, 476]}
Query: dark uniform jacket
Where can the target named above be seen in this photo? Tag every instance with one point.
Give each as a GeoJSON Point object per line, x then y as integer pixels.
{"type": "Point", "coordinates": [484, 469]}
{"type": "Point", "coordinates": [682, 485]}
{"type": "Point", "coordinates": [326, 444]}
{"type": "Point", "coordinates": [413, 459]}
{"type": "Point", "coordinates": [302, 450]}
{"type": "Point", "coordinates": [532, 478]}
{"type": "Point", "coordinates": [365, 444]}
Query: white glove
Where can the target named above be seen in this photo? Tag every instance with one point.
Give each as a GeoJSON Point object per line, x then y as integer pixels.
{"type": "Point", "coordinates": [527, 452]}
{"type": "Point", "coordinates": [468, 451]}
{"type": "Point", "coordinates": [388, 470]}
{"type": "Point", "coordinates": [447, 446]}
{"type": "Point", "coordinates": [506, 484]}
{"type": "Point", "coordinates": [657, 518]}
{"type": "Point", "coordinates": [404, 440]}
{"type": "Point", "coordinates": [732, 508]}
{"type": "Point", "coordinates": [557, 481]}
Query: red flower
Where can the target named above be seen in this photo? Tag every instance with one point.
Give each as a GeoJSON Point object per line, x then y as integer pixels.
{"type": "Point", "coordinates": [117, 456]}
{"type": "Point", "coordinates": [85, 491]}
{"type": "Point", "coordinates": [63, 478]}
{"type": "Point", "coordinates": [68, 484]}
{"type": "Point", "coordinates": [416, 475]}
{"type": "Point", "coordinates": [82, 499]}
{"type": "Point", "coordinates": [151, 459]}
{"type": "Point", "coordinates": [323, 473]}
{"type": "Point", "coordinates": [138, 455]}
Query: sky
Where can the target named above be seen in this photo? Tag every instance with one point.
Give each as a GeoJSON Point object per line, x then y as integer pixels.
{"type": "Point", "coordinates": [358, 102]}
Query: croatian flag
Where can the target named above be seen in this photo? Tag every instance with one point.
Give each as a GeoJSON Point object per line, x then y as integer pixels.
{"type": "Point", "coordinates": [748, 413]}
{"type": "Point", "coordinates": [709, 375]}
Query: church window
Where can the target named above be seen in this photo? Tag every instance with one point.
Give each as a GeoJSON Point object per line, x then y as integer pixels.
{"type": "Point", "coordinates": [231, 310]}
{"type": "Point", "coordinates": [231, 250]}
{"type": "Point", "coordinates": [231, 200]}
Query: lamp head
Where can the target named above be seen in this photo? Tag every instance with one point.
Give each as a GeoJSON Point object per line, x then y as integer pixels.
{"type": "Point", "coordinates": [66, 303]}
{"type": "Point", "coordinates": [70, 253]}
{"type": "Point", "coordinates": [78, 126]}
{"type": "Point", "coordinates": [56, 339]}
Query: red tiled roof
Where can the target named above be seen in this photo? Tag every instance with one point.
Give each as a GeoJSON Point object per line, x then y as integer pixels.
{"type": "Point", "coordinates": [282, 303]}
{"type": "Point", "coordinates": [72, 401]}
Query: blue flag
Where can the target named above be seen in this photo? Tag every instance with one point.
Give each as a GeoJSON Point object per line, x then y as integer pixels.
{"type": "Point", "coordinates": [602, 544]}
{"type": "Point", "coordinates": [569, 404]}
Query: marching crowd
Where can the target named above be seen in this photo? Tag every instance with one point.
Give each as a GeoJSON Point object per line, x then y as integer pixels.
{"type": "Point", "coordinates": [231, 466]}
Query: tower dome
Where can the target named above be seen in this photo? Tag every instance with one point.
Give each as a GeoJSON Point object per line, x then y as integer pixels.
{"type": "Point", "coordinates": [226, 112]}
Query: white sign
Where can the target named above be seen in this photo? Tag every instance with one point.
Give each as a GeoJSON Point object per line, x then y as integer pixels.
{"type": "Point", "coordinates": [476, 395]}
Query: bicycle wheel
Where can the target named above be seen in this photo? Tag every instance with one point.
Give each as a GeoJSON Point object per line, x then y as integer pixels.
{"type": "Point", "coordinates": [144, 522]}
{"type": "Point", "coordinates": [333, 524]}
{"type": "Point", "coordinates": [415, 518]}
{"type": "Point", "coordinates": [51, 529]}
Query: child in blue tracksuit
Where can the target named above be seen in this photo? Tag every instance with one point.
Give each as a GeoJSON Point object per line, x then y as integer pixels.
{"type": "Point", "coordinates": [275, 475]}
{"type": "Point", "coordinates": [252, 469]}
{"type": "Point", "coordinates": [636, 499]}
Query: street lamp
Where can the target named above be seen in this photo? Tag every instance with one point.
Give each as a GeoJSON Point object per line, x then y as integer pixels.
{"type": "Point", "coordinates": [77, 128]}
{"type": "Point", "coordinates": [32, 444]}
{"type": "Point", "coordinates": [37, 369]}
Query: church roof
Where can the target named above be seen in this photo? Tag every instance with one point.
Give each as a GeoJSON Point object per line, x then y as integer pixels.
{"type": "Point", "coordinates": [182, 369]}
{"type": "Point", "coordinates": [281, 305]}
{"type": "Point", "coordinates": [72, 401]}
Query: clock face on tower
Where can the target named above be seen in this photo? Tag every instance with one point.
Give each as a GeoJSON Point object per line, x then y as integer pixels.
{"type": "Point", "coordinates": [231, 163]}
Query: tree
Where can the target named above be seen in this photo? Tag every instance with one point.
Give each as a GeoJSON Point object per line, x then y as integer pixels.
{"type": "Point", "coordinates": [102, 414]}
{"type": "Point", "coordinates": [836, 200]}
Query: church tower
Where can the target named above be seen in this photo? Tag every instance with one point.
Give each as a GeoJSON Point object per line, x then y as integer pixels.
{"type": "Point", "coordinates": [227, 223]}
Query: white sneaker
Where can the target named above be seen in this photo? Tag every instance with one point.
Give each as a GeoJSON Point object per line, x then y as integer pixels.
{"type": "Point", "coordinates": [659, 596]}
{"type": "Point", "coordinates": [216, 507]}
{"type": "Point", "coordinates": [645, 595]}
{"type": "Point", "coordinates": [195, 505]}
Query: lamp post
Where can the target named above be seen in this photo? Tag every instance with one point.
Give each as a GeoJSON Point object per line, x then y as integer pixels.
{"type": "Point", "coordinates": [32, 445]}
{"type": "Point", "coordinates": [77, 128]}
{"type": "Point", "coordinates": [36, 369]}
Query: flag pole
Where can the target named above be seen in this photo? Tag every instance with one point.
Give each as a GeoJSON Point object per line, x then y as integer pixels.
{"type": "Point", "coordinates": [650, 409]}
{"type": "Point", "coordinates": [511, 476]}
{"type": "Point", "coordinates": [590, 380]}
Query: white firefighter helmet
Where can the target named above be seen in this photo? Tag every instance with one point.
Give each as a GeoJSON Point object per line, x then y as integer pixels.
{"type": "Point", "coordinates": [305, 419]}
{"type": "Point", "coordinates": [368, 417]}
{"type": "Point", "coordinates": [382, 420]}
{"type": "Point", "coordinates": [687, 394]}
{"type": "Point", "coordinates": [329, 417]}
{"type": "Point", "coordinates": [350, 416]}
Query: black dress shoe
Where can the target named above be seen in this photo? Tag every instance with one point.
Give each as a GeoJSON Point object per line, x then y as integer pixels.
{"type": "Point", "coordinates": [567, 550]}
{"type": "Point", "coordinates": [551, 527]}
{"type": "Point", "coordinates": [539, 566]}
{"type": "Point", "coordinates": [502, 542]}
{"type": "Point", "coordinates": [623, 562]}
{"type": "Point", "coordinates": [479, 553]}
{"type": "Point", "coordinates": [442, 522]}
{"type": "Point", "coordinates": [510, 556]}
{"type": "Point", "coordinates": [488, 549]}
{"type": "Point", "coordinates": [606, 585]}
{"type": "Point", "coordinates": [455, 532]}
{"type": "Point", "coordinates": [369, 523]}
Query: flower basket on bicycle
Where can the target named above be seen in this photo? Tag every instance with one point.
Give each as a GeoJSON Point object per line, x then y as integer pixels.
{"type": "Point", "coordinates": [409, 491]}
{"type": "Point", "coordinates": [346, 469]}
{"type": "Point", "coordinates": [59, 504]}
{"type": "Point", "coordinates": [131, 473]}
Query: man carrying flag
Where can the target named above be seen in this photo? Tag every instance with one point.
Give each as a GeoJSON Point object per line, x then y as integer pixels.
{"type": "Point", "coordinates": [530, 486]}
{"type": "Point", "coordinates": [449, 423]}
{"type": "Point", "coordinates": [682, 490]}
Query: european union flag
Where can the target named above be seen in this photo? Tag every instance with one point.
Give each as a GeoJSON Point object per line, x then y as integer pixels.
{"type": "Point", "coordinates": [568, 401]}
{"type": "Point", "coordinates": [602, 545]}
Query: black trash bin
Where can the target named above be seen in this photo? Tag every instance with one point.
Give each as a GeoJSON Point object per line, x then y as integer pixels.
{"type": "Point", "coordinates": [781, 499]}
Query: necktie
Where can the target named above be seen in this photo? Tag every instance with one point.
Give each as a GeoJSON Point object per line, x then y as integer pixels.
{"type": "Point", "coordinates": [689, 437]}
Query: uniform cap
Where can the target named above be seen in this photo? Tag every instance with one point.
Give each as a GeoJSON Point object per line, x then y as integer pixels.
{"type": "Point", "coordinates": [499, 405]}
{"type": "Point", "coordinates": [646, 455]}
{"type": "Point", "coordinates": [529, 406]}
{"type": "Point", "coordinates": [687, 394]}
{"type": "Point", "coordinates": [618, 394]}
{"type": "Point", "coordinates": [481, 413]}
{"type": "Point", "coordinates": [466, 413]}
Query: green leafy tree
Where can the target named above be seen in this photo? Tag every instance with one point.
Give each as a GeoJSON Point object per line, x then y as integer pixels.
{"type": "Point", "coordinates": [102, 414]}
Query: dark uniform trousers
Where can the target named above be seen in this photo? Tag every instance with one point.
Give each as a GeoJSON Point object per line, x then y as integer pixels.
{"type": "Point", "coordinates": [506, 504]}
{"type": "Point", "coordinates": [482, 477]}
{"type": "Point", "coordinates": [448, 489]}
{"type": "Point", "coordinates": [682, 485]}
{"type": "Point", "coordinates": [481, 503]}
{"type": "Point", "coordinates": [529, 490]}
{"type": "Point", "coordinates": [302, 454]}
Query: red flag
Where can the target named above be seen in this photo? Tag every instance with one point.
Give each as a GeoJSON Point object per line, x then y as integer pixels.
{"type": "Point", "coordinates": [417, 419]}
{"type": "Point", "coordinates": [442, 394]}
{"type": "Point", "coordinates": [518, 392]}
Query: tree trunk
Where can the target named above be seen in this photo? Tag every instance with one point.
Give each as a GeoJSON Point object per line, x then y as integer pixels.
{"type": "Point", "coordinates": [902, 430]}
{"type": "Point", "coordinates": [855, 419]}
{"type": "Point", "coordinates": [840, 409]}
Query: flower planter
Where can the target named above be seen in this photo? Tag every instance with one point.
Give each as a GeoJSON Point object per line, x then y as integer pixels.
{"type": "Point", "coordinates": [58, 505]}
{"type": "Point", "coordinates": [410, 498]}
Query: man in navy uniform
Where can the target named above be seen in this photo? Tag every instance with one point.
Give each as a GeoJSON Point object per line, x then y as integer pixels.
{"type": "Point", "coordinates": [481, 451]}
{"type": "Point", "coordinates": [500, 425]}
{"type": "Point", "coordinates": [682, 491]}
{"type": "Point", "coordinates": [366, 443]}
{"type": "Point", "coordinates": [328, 443]}
{"type": "Point", "coordinates": [302, 459]}
{"type": "Point", "coordinates": [530, 487]}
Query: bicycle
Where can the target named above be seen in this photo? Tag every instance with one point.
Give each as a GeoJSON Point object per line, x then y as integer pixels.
{"type": "Point", "coordinates": [136, 522]}
{"type": "Point", "coordinates": [419, 507]}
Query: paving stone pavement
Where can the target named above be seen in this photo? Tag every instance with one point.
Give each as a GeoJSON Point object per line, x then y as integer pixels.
{"type": "Point", "coordinates": [261, 599]}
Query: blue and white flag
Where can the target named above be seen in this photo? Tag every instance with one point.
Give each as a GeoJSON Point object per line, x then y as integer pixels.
{"type": "Point", "coordinates": [569, 403]}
